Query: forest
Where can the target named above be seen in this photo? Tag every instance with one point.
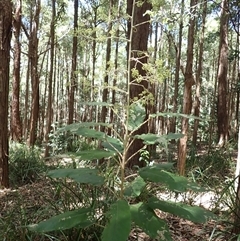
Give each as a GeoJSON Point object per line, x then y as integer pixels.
{"type": "Point", "coordinates": [119, 120]}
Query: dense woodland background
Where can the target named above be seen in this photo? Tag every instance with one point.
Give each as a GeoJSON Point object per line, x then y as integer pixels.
{"type": "Point", "coordinates": [69, 61]}
{"type": "Point", "coordinates": [66, 55]}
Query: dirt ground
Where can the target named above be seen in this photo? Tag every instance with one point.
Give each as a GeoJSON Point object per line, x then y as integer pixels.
{"type": "Point", "coordinates": [33, 198]}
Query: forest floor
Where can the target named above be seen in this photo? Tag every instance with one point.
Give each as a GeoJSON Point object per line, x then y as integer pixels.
{"type": "Point", "coordinates": [31, 203]}
{"type": "Point", "coordinates": [24, 203]}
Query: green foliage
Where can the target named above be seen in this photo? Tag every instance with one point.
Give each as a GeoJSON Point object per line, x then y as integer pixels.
{"type": "Point", "coordinates": [137, 115]}
{"type": "Point", "coordinates": [17, 213]}
{"type": "Point", "coordinates": [170, 180]}
{"type": "Point", "coordinates": [194, 214]}
{"type": "Point", "coordinates": [119, 216]}
{"type": "Point", "coordinates": [116, 204]}
{"type": "Point", "coordinates": [79, 217]}
{"type": "Point", "coordinates": [80, 175]}
{"type": "Point", "coordinates": [62, 141]}
{"type": "Point", "coordinates": [154, 226]}
{"type": "Point", "coordinates": [216, 164]}
{"type": "Point", "coordinates": [227, 203]}
{"type": "Point", "coordinates": [25, 164]}
{"type": "Point", "coordinates": [135, 188]}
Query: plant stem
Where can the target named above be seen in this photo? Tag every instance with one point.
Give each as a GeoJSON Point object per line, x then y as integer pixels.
{"type": "Point", "coordinates": [126, 134]}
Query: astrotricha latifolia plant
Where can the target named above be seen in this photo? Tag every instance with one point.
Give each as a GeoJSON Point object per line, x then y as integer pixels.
{"type": "Point", "coordinates": [125, 210]}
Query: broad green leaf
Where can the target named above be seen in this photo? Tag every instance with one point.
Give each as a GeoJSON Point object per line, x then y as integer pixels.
{"type": "Point", "coordinates": [113, 144]}
{"type": "Point", "coordinates": [192, 213]}
{"type": "Point", "coordinates": [146, 219]}
{"type": "Point", "coordinates": [94, 154]}
{"type": "Point", "coordinates": [151, 139]}
{"type": "Point", "coordinates": [64, 221]}
{"type": "Point", "coordinates": [91, 133]}
{"type": "Point", "coordinates": [75, 126]}
{"type": "Point", "coordinates": [119, 225]}
{"type": "Point", "coordinates": [170, 114]}
{"type": "Point", "coordinates": [173, 136]}
{"type": "Point", "coordinates": [137, 115]}
{"type": "Point", "coordinates": [170, 180]}
{"type": "Point", "coordinates": [80, 175]}
{"type": "Point", "coordinates": [135, 187]}
{"type": "Point", "coordinates": [148, 139]}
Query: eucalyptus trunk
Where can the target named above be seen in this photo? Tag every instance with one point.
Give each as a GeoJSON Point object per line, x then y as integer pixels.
{"type": "Point", "coordinates": [73, 81]}
{"type": "Point", "coordinates": [111, 117]}
{"type": "Point", "coordinates": [92, 114]}
{"type": "Point", "coordinates": [196, 106]}
{"type": "Point", "coordinates": [16, 123]}
{"type": "Point", "coordinates": [107, 66]}
{"type": "Point", "coordinates": [50, 79]}
{"type": "Point", "coordinates": [187, 95]}
{"type": "Point", "coordinates": [33, 52]}
{"type": "Point", "coordinates": [222, 114]}
{"type": "Point", "coordinates": [138, 33]}
{"type": "Point", "coordinates": [5, 34]}
{"type": "Point", "coordinates": [177, 72]}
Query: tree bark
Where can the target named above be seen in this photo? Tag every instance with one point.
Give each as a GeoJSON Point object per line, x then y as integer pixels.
{"type": "Point", "coordinates": [50, 82]}
{"type": "Point", "coordinates": [73, 81]}
{"type": "Point", "coordinates": [16, 124]}
{"type": "Point", "coordinates": [187, 96]}
{"type": "Point", "coordinates": [111, 117]}
{"type": "Point", "coordinates": [177, 72]}
{"type": "Point", "coordinates": [236, 227]}
{"type": "Point", "coordinates": [5, 40]}
{"type": "Point", "coordinates": [92, 114]}
{"type": "Point", "coordinates": [107, 66]}
{"type": "Point", "coordinates": [196, 106]}
{"type": "Point", "coordinates": [222, 114]}
{"type": "Point", "coordinates": [33, 51]}
{"type": "Point", "coordinates": [138, 36]}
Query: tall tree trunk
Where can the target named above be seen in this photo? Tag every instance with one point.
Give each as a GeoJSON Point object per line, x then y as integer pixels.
{"type": "Point", "coordinates": [5, 40]}
{"type": "Point", "coordinates": [26, 99]}
{"type": "Point", "coordinates": [55, 86]}
{"type": "Point", "coordinates": [187, 95]}
{"type": "Point", "coordinates": [152, 106]}
{"type": "Point", "coordinates": [26, 104]}
{"type": "Point", "coordinates": [238, 90]}
{"type": "Point", "coordinates": [16, 124]}
{"type": "Point", "coordinates": [196, 106]}
{"type": "Point", "coordinates": [236, 228]}
{"type": "Point", "coordinates": [138, 32]}
{"type": "Point", "coordinates": [33, 51]}
{"type": "Point", "coordinates": [92, 114]}
{"type": "Point", "coordinates": [107, 66]}
{"type": "Point", "coordinates": [233, 97]}
{"type": "Point", "coordinates": [111, 118]}
{"type": "Point", "coordinates": [222, 114]}
{"type": "Point", "coordinates": [73, 81]}
{"type": "Point", "coordinates": [50, 82]}
{"type": "Point", "coordinates": [178, 65]}
{"type": "Point", "coordinates": [213, 104]}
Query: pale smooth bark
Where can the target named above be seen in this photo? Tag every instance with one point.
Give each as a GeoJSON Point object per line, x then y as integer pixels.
{"type": "Point", "coordinates": [222, 114]}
